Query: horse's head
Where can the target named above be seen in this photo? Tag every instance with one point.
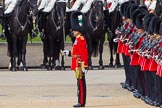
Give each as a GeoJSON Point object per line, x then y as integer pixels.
{"type": "Point", "coordinates": [33, 7]}
{"type": "Point", "coordinates": [97, 10]}
{"type": "Point", "coordinates": [60, 9]}
{"type": "Point", "coordinates": [158, 9]}
{"type": "Point", "coordinates": [27, 7]}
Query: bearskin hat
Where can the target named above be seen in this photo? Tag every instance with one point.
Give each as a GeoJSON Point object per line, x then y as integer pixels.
{"type": "Point", "coordinates": [151, 25]}
{"type": "Point", "coordinates": [160, 28]}
{"type": "Point", "coordinates": [157, 25]}
{"type": "Point", "coordinates": [127, 14]}
{"type": "Point", "coordinates": [134, 15]}
{"type": "Point", "coordinates": [139, 21]}
{"type": "Point", "coordinates": [147, 20]}
{"type": "Point", "coordinates": [132, 9]}
{"type": "Point", "coordinates": [77, 22]}
{"type": "Point", "coordinates": [122, 8]}
{"type": "Point", "coordinates": [143, 9]}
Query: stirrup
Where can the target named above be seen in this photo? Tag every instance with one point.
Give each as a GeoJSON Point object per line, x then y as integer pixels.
{"type": "Point", "coordinates": [3, 36]}
{"type": "Point", "coordinates": [34, 34]}
{"type": "Point", "coordinates": [42, 35]}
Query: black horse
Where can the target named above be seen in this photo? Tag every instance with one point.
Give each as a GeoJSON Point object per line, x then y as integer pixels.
{"type": "Point", "coordinates": [158, 9]}
{"type": "Point", "coordinates": [17, 32]}
{"type": "Point", "coordinates": [54, 39]}
{"type": "Point", "coordinates": [94, 22]}
{"type": "Point", "coordinates": [114, 23]}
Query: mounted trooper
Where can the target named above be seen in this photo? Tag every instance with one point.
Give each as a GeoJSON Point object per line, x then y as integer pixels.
{"type": "Point", "coordinates": [151, 5]}
{"type": "Point", "coordinates": [112, 4]}
{"type": "Point", "coordinates": [44, 7]}
{"type": "Point", "coordinates": [82, 5]}
{"type": "Point", "coordinates": [8, 9]}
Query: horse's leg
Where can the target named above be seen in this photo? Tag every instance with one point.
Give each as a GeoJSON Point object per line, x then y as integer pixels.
{"type": "Point", "coordinates": [117, 61]}
{"type": "Point", "coordinates": [24, 41]}
{"type": "Point", "coordinates": [19, 55]}
{"type": "Point", "coordinates": [62, 57]}
{"type": "Point", "coordinates": [89, 52]}
{"type": "Point", "coordinates": [111, 52]}
{"type": "Point", "coordinates": [45, 59]}
{"type": "Point", "coordinates": [57, 47]}
{"type": "Point", "coordinates": [14, 53]}
{"type": "Point", "coordinates": [50, 63]}
{"type": "Point", "coordinates": [102, 39]}
{"type": "Point", "coordinates": [51, 52]}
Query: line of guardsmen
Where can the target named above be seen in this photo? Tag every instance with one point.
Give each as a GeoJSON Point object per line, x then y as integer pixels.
{"type": "Point", "coordinates": [140, 43]}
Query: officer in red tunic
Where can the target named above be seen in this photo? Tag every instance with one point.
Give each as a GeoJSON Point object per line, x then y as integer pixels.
{"type": "Point", "coordinates": [79, 54]}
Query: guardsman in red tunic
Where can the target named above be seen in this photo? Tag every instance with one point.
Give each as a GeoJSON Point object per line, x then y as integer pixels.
{"type": "Point", "coordinates": [79, 54]}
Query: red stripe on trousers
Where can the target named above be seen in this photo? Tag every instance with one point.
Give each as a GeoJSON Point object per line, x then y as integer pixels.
{"type": "Point", "coordinates": [81, 91]}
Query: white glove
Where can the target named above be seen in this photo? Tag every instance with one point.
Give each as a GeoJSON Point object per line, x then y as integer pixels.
{"type": "Point", "coordinates": [65, 52]}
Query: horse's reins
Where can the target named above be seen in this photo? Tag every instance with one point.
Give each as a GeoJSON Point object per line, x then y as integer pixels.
{"type": "Point", "coordinates": [27, 21]}
{"type": "Point", "coordinates": [90, 22]}
{"type": "Point", "coordinates": [54, 22]}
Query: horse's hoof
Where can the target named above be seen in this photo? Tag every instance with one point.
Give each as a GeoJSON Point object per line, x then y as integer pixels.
{"type": "Point", "coordinates": [90, 68]}
{"type": "Point", "coordinates": [49, 68]}
{"type": "Point", "coordinates": [24, 69]}
{"type": "Point", "coordinates": [101, 67]}
{"type": "Point", "coordinates": [13, 69]}
{"type": "Point", "coordinates": [111, 65]}
{"type": "Point", "coordinates": [117, 65]}
{"type": "Point", "coordinates": [43, 66]}
{"type": "Point", "coordinates": [57, 67]}
{"type": "Point", "coordinates": [63, 68]}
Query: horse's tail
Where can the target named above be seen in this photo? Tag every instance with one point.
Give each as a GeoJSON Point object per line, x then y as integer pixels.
{"type": "Point", "coordinates": [95, 48]}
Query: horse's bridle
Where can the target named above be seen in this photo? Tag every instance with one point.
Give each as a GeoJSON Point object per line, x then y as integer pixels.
{"type": "Point", "coordinates": [18, 21]}
{"type": "Point", "coordinates": [59, 17]}
{"type": "Point", "coordinates": [90, 19]}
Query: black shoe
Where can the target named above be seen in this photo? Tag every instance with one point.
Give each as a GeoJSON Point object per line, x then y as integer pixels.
{"type": "Point", "coordinates": [123, 85]}
{"type": "Point", "coordinates": [137, 95]}
{"type": "Point", "coordinates": [160, 106]}
{"type": "Point", "coordinates": [149, 102]}
{"type": "Point", "coordinates": [156, 104]}
{"type": "Point", "coordinates": [79, 105]}
{"type": "Point", "coordinates": [143, 98]}
{"type": "Point", "coordinates": [42, 35]}
{"type": "Point", "coordinates": [130, 88]}
{"type": "Point", "coordinates": [3, 36]}
{"type": "Point", "coordinates": [34, 34]}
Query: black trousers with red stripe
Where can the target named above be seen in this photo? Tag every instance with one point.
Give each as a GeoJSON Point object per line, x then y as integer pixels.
{"type": "Point", "coordinates": [81, 84]}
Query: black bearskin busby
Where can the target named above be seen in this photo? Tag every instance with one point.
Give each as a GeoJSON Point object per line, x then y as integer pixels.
{"type": "Point", "coordinates": [147, 20]}
{"type": "Point", "coordinates": [139, 21]}
{"type": "Point", "coordinates": [151, 25]}
{"type": "Point", "coordinates": [157, 25]}
{"type": "Point", "coordinates": [77, 22]}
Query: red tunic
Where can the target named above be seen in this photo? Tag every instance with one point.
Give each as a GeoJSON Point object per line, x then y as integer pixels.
{"type": "Point", "coordinates": [120, 46]}
{"type": "Point", "coordinates": [79, 48]}
{"type": "Point", "coordinates": [153, 65]}
{"type": "Point", "coordinates": [146, 64]}
{"type": "Point", "coordinates": [159, 70]}
{"type": "Point", "coordinates": [135, 58]}
{"type": "Point", "coordinates": [159, 67]}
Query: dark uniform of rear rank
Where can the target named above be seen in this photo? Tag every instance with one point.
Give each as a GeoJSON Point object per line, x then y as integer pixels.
{"type": "Point", "coordinates": [142, 53]}
{"type": "Point", "coordinates": [79, 54]}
